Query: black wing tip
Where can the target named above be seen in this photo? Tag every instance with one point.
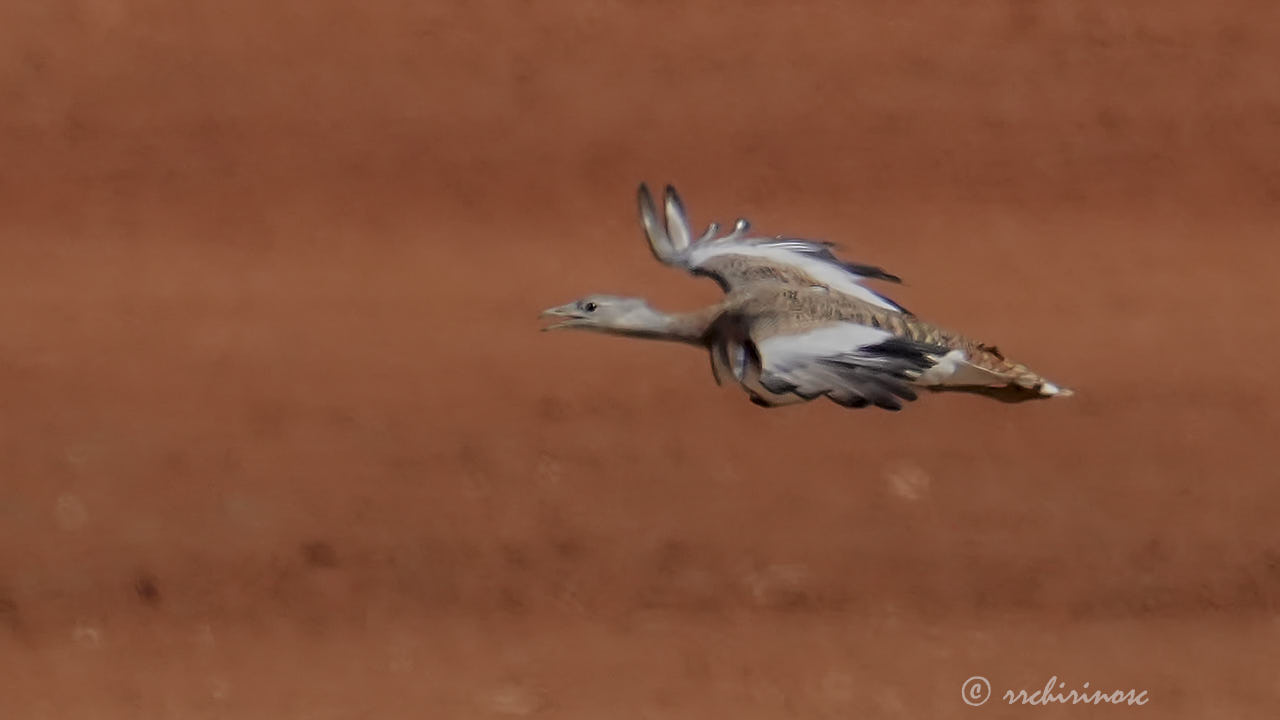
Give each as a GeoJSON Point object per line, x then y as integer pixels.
{"type": "Point", "coordinates": [673, 202]}
{"type": "Point", "coordinates": [886, 387]}
{"type": "Point", "coordinates": [912, 351]}
{"type": "Point", "coordinates": [644, 199]}
{"type": "Point", "coordinates": [776, 385]}
{"type": "Point", "coordinates": [856, 402]}
{"type": "Point", "coordinates": [873, 272]}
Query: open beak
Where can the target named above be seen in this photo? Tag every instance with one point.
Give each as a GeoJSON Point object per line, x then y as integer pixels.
{"type": "Point", "coordinates": [570, 316]}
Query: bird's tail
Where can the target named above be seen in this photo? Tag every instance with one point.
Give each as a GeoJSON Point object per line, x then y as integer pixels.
{"type": "Point", "coordinates": [985, 371]}
{"type": "Point", "coordinates": [1024, 377]}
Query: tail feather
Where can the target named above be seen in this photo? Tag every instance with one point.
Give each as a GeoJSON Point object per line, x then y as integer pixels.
{"type": "Point", "coordinates": [981, 368]}
{"type": "Point", "coordinates": [1027, 379]}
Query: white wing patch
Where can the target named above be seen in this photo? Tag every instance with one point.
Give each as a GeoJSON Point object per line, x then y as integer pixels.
{"type": "Point", "coordinates": [946, 369]}
{"type": "Point", "coordinates": [831, 341]}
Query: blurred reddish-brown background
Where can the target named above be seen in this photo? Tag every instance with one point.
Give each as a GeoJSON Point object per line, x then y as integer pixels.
{"type": "Point", "coordinates": [280, 436]}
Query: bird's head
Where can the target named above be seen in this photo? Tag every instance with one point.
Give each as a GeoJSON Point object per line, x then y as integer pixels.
{"type": "Point", "coordinates": [605, 313]}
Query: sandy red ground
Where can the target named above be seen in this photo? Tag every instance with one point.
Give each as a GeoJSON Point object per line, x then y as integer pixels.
{"type": "Point", "coordinates": [280, 437]}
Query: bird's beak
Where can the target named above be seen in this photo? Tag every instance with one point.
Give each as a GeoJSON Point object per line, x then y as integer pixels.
{"type": "Point", "coordinates": [572, 316]}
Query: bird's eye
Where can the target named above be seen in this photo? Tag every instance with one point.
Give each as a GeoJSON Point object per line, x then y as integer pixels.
{"type": "Point", "coordinates": [589, 307]}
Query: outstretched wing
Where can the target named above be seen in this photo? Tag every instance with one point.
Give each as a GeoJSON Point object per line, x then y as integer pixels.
{"type": "Point", "coordinates": [739, 258]}
{"type": "Point", "coordinates": [853, 365]}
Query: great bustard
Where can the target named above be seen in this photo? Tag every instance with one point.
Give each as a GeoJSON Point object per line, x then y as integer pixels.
{"type": "Point", "coordinates": [797, 323]}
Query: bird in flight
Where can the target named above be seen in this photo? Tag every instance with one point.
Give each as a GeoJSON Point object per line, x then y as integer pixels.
{"type": "Point", "coordinates": [797, 323]}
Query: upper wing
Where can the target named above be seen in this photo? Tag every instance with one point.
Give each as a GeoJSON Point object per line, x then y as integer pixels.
{"type": "Point", "coordinates": [738, 258]}
{"type": "Point", "coordinates": [854, 365]}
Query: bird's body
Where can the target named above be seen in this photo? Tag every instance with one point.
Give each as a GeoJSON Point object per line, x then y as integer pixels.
{"type": "Point", "coordinates": [796, 324]}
